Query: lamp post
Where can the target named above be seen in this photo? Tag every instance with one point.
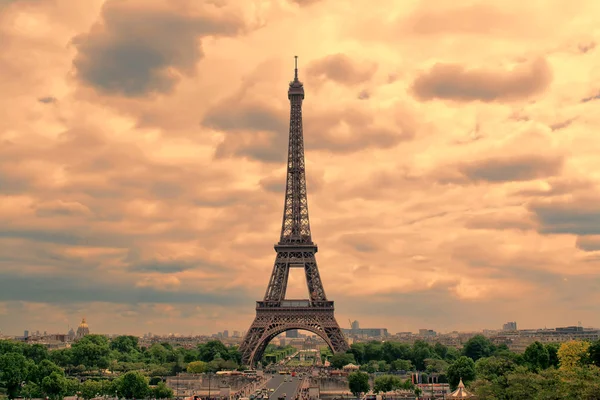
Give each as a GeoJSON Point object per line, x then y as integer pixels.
{"type": "Point", "coordinates": [208, 385]}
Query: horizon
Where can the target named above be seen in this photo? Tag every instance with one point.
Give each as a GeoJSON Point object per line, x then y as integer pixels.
{"type": "Point", "coordinates": [143, 153]}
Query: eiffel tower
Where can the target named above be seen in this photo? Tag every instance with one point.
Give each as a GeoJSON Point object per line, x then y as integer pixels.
{"type": "Point", "coordinates": [276, 314]}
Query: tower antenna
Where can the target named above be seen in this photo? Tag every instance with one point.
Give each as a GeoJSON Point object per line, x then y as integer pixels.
{"type": "Point", "coordinates": [296, 67]}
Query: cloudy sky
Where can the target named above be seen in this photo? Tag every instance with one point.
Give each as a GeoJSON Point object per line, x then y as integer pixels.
{"type": "Point", "coordinates": [453, 161]}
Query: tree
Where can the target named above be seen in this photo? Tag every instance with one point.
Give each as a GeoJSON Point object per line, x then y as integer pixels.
{"type": "Point", "coordinates": [440, 349]}
{"type": "Point", "coordinates": [209, 351]}
{"type": "Point", "coordinates": [54, 385]}
{"type": "Point", "coordinates": [14, 369]}
{"type": "Point", "coordinates": [386, 383]}
{"type": "Point", "coordinates": [36, 352]}
{"type": "Point", "coordinates": [44, 369]}
{"type": "Point", "coordinates": [536, 356]}
{"type": "Point", "coordinates": [463, 368]}
{"type": "Point", "coordinates": [572, 354]}
{"type": "Point", "coordinates": [435, 365]}
{"type": "Point", "coordinates": [402, 365]}
{"type": "Point", "coordinates": [494, 368]}
{"type": "Point", "coordinates": [133, 385]}
{"type": "Point", "coordinates": [420, 352]}
{"type": "Point", "coordinates": [339, 360]}
{"type": "Point", "coordinates": [196, 367]}
{"type": "Point", "coordinates": [594, 351]}
{"type": "Point", "coordinates": [478, 347]}
{"type": "Point", "coordinates": [89, 389]}
{"type": "Point", "coordinates": [91, 351]}
{"type": "Point", "coordinates": [162, 391]}
{"type": "Point", "coordinates": [125, 344]}
{"type": "Point", "coordinates": [31, 390]}
{"type": "Point", "coordinates": [358, 383]}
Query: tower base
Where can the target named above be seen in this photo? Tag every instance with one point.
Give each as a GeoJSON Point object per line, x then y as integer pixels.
{"type": "Point", "coordinates": [274, 318]}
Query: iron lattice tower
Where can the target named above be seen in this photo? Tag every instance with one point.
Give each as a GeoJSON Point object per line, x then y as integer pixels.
{"type": "Point", "coordinates": [275, 314]}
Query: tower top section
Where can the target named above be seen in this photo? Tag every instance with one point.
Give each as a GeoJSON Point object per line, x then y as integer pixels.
{"type": "Point", "coordinates": [296, 89]}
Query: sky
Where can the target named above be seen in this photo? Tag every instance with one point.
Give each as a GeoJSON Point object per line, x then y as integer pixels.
{"type": "Point", "coordinates": [452, 161]}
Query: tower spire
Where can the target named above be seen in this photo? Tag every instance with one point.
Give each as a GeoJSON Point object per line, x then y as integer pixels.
{"type": "Point", "coordinates": [296, 227]}
{"type": "Point", "coordinates": [296, 68]}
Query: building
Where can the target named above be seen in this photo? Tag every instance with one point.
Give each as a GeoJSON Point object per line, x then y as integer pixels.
{"type": "Point", "coordinates": [367, 332]}
{"type": "Point", "coordinates": [293, 333]}
{"type": "Point", "coordinates": [427, 332]}
{"type": "Point", "coordinates": [355, 326]}
{"type": "Point", "coordinates": [225, 333]}
{"type": "Point", "coordinates": [26, 334]}
{"type": "Point", "coordinates": [82, 330]}
{"type": "Point", "coordinates": [509, 326]}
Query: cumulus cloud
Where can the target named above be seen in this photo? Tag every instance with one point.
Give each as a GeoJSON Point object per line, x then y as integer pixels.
{"type": "Point", "coordinates": [144, 47]}
{"type": "Point", "coordinates": [458, 83]}
{"type": "Point", "coordinates": [142, 167]}
{"type": "Point", "coordinates": [341, 68]}
{"type": "Point", "coordinates": [512, 169]}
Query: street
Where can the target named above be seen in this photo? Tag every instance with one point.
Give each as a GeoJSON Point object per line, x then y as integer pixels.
{"type": "Point", "coordinates": [278, 383]}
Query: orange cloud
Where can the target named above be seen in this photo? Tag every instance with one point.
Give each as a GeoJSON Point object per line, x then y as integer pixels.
{"type": "Point", "coordinates": [143, 153]}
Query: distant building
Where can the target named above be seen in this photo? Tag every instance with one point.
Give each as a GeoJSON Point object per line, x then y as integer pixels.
{"type": "Point", "coordinates": [367, 332]}
{"type": "Point", "coordinates": [225, 333]}
{"type": "Point", "coordinates": [82, 329]}
{"type": "Point", "coordinates": [509, 326]}
{"type": "Point", "coordinates": [427, 332]}
{"type": "Point", "coordinates": [26, 334]}
{"type": "Point", "coordinates": [236, 334]}
{"type": "Point", "coordinates": [71, 335]}
{"type": "Point", "coordinates": [293, 333]}
{"type": "Point", "coordinates": [355, 326]}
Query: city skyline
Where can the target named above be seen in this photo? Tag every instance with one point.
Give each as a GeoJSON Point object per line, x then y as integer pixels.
{"type": "Point", "coordinates": [450, 156]}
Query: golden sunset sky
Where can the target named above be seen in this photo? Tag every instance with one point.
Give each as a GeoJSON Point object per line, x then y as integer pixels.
{"type": "Point", "coordinates": [452, 150]}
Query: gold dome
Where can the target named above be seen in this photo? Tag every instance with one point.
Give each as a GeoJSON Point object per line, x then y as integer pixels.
{"type": "Point", "coordinates": [83, 324]}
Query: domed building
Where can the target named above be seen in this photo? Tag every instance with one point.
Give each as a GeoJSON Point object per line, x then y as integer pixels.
{"type": "Point", "coordinates": [82, 330]}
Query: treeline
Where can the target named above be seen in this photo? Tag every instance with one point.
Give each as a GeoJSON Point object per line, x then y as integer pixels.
{"type": "Point", "coordinates": [33, 371]}
{"type": "Point", "coordinates": [552, 371]}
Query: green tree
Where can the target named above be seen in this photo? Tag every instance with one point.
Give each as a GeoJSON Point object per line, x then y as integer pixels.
{"type": "Point", "coordinates": [14, 369]}
{"type": "Point", "coordinates": [339, 360]}
{"type": "Point", "coordinates": [133, 385]}
{"type": "Point", "coordinates": [392, 351]}
{"type": "Point", "coordinates": [441, 350]}
{"type": "Point", "coordinates": [358, 383]}
{"type": "Point", "coordinates": [162, 391]}
{"type": "Point", "coordinates": [62, 357]}
{"type": "Point", "coordinates": [209, 351]}
{"type": "Point", "coordinates": [594, 352]}
{"type": "Point", "coordinates": [358, 350]}
{"type": "Point", "coordinates": [572, 354]}
{"type": "Point", "coordinates": [89, 389]}
{"type": "Point", "coordinates": [54, 385]}
{"type": "Point", "coordinates": [494, 368]}
{"type": "Point", "coordinates": [536, 356]}
{"type": "Point", "coordinates": [196, 367]}
{"type": "Point", "coordinates": [36, 352]}
{"type": "Point", "coordinates": [125, 344]}
{"type": "Point", "coordinates": [31, 390]}
{"type": "Point", "coordinates": [420, 352]}
{"type": "Point", "coordinates": [463, 368]}
{"type": "Point", "coordinates": [44, 369]}
{"type": "Point", "coordinates": [478, 347]}
{"type": "Point", "coordinates": [435, 365]}
{"type": "Point", "coordinates": [386, 383]}
{"type": "Point", "coordinates": [92, 351]}
{"type": "Point", "coordinates": [402, 365]}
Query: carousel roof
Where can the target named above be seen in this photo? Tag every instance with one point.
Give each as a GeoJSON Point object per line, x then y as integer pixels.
{"type": "Point", "coordinates": [460, 392]}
